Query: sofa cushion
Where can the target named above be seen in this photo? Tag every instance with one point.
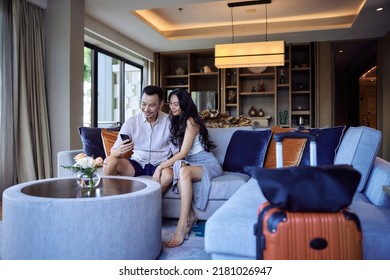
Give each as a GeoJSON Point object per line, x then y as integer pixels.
{"type": "Point", "coordinates": [92, 140]}
{"type": "Point", "coordinates": [221, 136]}
{"type": "Point", "coordinates": [359, 148]}
{"type": "Point", "coordinates": [379, 177]}
{"type": "Point", "coordinates": [292, 149]}
{"type": "Point", "coordinates": [108, 138]}
{"type": "Point", "coordinates": [246, 148]}
{"type": "Point", "coordinates": [222, 187]}
{"type": "Point", "coordinates": [229, 231]}
{"type": "Point", "coordinates": [375, 225]}
{"type": "Point", "coordinates": [328, 141]}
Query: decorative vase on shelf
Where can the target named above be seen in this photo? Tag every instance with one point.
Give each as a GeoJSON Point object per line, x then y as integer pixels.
{"type": "Point", "coordinates": [206, 69]}
{"type": "Point", "coordinates": [261, 86]}
{"type": "Point", "coordinates": [283, 117]}
{"type": "Point", "coordinates": [88, 182]}
{"type": "Point", "coordinates": [282, 76]}
{"type": "Point", "coordinates": [252, 112]}
{"type": "Point", "coordinates": [180, 71]}
{"type": "Point", "coordinates": [260, 113]}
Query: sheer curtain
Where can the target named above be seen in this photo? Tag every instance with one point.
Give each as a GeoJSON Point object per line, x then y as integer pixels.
{"type": "Point", "coordinates": [26, 125]}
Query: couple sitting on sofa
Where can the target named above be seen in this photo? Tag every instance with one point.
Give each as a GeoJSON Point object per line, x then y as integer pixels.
{"type": "Point", "coordinates": [155, 137]}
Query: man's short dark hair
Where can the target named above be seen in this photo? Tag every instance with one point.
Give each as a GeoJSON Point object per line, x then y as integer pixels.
{"type": "Point", "coordinates": [151, 90]}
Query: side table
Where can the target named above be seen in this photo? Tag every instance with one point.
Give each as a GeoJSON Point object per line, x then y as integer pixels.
{"type": "Point", "coordinates": [49, 220]}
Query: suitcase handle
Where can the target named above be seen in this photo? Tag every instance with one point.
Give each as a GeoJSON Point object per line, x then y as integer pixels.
{"type": "Point", "coordinates": [295, 134]}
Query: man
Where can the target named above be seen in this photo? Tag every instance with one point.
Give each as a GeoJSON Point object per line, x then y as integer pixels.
{"type": "Point", "coordinates": [149, 141]}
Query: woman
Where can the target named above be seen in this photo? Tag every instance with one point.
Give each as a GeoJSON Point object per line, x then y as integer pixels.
{"type": "Point", "coordinates": [193, 166]}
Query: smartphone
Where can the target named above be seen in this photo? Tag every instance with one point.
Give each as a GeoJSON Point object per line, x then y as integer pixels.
{"type": "Point", "coordinates": [125, 137]}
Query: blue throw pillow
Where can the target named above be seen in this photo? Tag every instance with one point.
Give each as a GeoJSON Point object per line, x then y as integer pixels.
{"type": "Point", "coordinates": [246, 147]}
{"type": "Point", "coordinates": [92, 140]}
{"type": "Point", "coordinates": [328, 141]}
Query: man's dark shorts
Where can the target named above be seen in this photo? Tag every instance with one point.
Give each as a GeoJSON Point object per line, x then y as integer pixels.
{"type": "Point", "coordinates": [147, 170]}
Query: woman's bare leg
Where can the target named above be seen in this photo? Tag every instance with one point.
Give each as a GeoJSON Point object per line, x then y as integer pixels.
{"type": "Point", "coordinates": [187, 175]}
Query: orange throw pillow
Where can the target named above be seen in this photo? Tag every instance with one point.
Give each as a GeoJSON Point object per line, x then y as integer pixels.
{"type": "Point", "coordinates": [292, 149]}
{"type": "Point", "coordinates": [109, 137]}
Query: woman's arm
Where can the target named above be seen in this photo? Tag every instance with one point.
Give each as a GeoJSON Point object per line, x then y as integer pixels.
{"type": "Point", "coordinates": [192, 129]}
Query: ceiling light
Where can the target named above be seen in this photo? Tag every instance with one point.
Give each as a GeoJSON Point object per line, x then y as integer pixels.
{"type": "Point", "coordinates": [256, 54]}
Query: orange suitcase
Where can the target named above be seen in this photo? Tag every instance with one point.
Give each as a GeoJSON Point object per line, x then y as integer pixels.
{"type": "Point", "coordinates": [284, 235]}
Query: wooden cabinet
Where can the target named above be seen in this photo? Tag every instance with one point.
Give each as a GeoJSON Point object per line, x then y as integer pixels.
{"type": "Point", "coordinates": [282, 94]}
{"type": "Point", "coordinates": [301, 85]}
{"type": "Point", "coordinates": [193, 71]}
{"type": "Point", "coordinates": [249, 92]}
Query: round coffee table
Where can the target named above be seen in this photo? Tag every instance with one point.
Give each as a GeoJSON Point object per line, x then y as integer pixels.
{"type": "Point", "coordinates": [54, 219]}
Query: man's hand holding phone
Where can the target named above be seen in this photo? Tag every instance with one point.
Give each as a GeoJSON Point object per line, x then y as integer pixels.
{"type": "Point", "coordinates": [126, 137]}
{"type": "Point", "coordinates": [126, 146]}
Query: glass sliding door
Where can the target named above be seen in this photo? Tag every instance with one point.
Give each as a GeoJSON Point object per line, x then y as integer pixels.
{"type": "Point", "coordinates": [112, 88]}
{"type": "Point", "coordinates": [132, 90]}
{"type": "Point", "coordinates": [108, 91]}
{"type": "Point", "coordinates": [87, 100]}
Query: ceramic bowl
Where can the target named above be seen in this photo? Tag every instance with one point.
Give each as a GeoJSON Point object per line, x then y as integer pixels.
{"type": "Point", "coordinates": [257, 69]}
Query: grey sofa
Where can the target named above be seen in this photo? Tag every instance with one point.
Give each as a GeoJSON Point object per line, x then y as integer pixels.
{"type": "Point", "coordinates": [223, 187]}
{"type": "Point", "coordinates": [229, 232]}
{"type": "Point", "coordinates": [235, 197]}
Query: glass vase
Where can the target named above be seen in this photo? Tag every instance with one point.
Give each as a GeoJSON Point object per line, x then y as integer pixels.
{"type": "Point", "coordinates": [88, 182]}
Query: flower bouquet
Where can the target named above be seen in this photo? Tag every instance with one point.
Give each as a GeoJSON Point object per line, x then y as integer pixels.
{"type": "Point", "coordinates": [85, 169]}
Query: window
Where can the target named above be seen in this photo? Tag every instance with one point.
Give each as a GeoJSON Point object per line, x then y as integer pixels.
{"type": "Point", "coordinates": [112, 88]}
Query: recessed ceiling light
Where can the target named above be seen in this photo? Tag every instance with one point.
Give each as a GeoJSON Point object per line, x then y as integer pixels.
{"type": "Point", "coordinates": [341, 51]}
{"type": "Point", "coordinates": [379, 9]}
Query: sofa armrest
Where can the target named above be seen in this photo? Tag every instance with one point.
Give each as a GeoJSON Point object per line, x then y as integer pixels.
{"type": "Point", "coordinates": [66, 158]}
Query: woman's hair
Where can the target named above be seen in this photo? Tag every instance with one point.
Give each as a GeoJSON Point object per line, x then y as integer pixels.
{"type": "Point", "coordinates": [179, 123]}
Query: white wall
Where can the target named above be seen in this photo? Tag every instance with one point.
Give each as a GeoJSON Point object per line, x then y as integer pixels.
{"type": "Point", "coordinates": [64, 78]}
{"type": "Point", "coordinates": [103, 36]}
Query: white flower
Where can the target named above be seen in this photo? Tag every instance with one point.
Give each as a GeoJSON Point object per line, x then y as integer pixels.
{"type": "Point", "coordinates": [86, 162]}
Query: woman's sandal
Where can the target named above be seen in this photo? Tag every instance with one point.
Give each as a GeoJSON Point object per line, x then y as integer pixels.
{"type": "Point", "coordinates": [169, 244]}
{"type": "Point", "coordinates": [193, 221]}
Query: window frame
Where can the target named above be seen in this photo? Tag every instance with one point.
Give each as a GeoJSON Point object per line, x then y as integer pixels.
{"type": "Point", "coordinates": [95, 50]}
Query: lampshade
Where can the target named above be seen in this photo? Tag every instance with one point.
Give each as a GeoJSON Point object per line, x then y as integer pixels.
{"type": "Point", "coordinates": [249, 54]}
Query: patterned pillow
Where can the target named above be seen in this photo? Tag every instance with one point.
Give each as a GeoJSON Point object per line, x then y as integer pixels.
{"type": "Point", "coordinates": [292, 149]}
{"type": "Point", "coordinates": [246, 148]}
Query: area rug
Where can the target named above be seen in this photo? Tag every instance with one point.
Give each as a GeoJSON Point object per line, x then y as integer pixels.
{"type": "Point", "coordinates": [191, 249]}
